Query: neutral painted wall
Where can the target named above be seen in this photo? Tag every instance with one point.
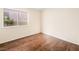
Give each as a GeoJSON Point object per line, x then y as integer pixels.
{"type": "Point", "coordinates": [61, 23]}
{"type": "Point", "coordinates": [1, 18]}
{"type": "Point", "coordinates": [15, 32]}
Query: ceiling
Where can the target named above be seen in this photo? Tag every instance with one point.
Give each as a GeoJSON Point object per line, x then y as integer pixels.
{"type": "Point", "coordinates": [40, 9]}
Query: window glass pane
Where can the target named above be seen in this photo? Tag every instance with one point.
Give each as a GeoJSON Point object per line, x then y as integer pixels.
{"type": "Point", "coordinates": [14, 17]}
{"type": "Point", "coordinates": [22, 18]}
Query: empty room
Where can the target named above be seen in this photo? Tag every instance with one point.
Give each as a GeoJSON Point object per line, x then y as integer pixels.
{"type": "Point", "coordinates": [39, 29]}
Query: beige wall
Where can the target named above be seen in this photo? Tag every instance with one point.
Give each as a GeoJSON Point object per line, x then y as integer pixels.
{"type": "Point", "coordinates": [61, 23]}
{"type": "Point", "coordinates": [15, 32]}
{"type": "Point", "coordinates": [1, 18]}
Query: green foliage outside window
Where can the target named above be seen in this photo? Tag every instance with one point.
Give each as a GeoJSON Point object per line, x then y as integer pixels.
{"type": "Point", "coordinates": [8, 21]}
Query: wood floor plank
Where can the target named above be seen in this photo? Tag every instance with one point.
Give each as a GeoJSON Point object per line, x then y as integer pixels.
{"type": "Point", "coordinates": [39, 42]}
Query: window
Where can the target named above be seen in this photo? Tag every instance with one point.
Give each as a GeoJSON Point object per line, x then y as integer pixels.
{"type": "Point", "coordinates": [14, 17]}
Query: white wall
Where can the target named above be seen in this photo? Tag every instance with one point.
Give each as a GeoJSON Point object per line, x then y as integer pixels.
{"type": "Point", "coordinates": [1, 18]}
{"type": "Point", "coordinates": [61, 23]}
{"type": "Point", "coordinates": [15, 32]}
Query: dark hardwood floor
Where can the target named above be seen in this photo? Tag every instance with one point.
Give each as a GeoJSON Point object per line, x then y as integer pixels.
{"type": "Point", "coordinates": [39, 42]}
